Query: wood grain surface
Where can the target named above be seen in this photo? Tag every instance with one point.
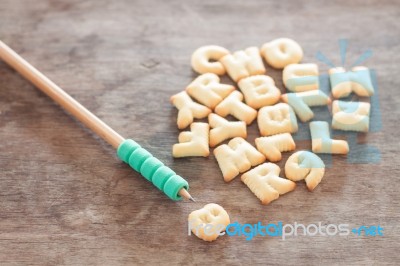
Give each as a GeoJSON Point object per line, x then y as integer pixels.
{"type": "Point", "coordinates": [65, 198]}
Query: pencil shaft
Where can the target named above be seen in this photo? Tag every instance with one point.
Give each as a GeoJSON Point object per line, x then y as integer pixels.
{"type": "Point", "coordinates": [59, 95]}
{"type": "Point", "coordinates": [65, 100]}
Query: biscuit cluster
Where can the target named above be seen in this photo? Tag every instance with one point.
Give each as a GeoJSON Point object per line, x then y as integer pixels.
{"type": "Point", "coordinates": [259, 99]}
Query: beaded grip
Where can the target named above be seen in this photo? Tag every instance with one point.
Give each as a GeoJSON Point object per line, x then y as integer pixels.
{"type": "Point", "coordinates": [152, 169]}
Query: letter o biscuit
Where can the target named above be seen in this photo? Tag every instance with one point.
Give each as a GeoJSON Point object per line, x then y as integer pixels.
{"type": "Point", "coordinates": [282, 52]}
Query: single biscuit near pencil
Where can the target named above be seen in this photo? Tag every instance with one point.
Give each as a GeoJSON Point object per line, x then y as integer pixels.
{"type": "Point", "coordinates": [305, 165]}
{"type": "Point", "coordinates": [188, 109]}
{"type": "Point", "coordinates": [265, 183]}
{"type": "Point", "coordinates": [273, 146]}
{"type": "Point", "coordinates": [223, 129]}
{"type": "Point", "coordinates": [208, 222]}
{"type": "Point", "coordinates": [237, 157]}
{"type": "Point", "coordinates": [243, 63]}
{"type": "Point", "coordinates": [259, 91]}
{"type": "Point", "coordinates": [205, 59]}
{"type": "Point", "coordinates": [233, 105]}
{"type": "Point", "coordinates": [193, 142]}
{"type": "Point", "coordinates": [207, 90]}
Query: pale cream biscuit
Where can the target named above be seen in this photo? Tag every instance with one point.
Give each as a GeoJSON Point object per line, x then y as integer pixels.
{"type": "Point", "coordinates": [237, 157]}
{"type": "Point", "coordinates": [275, 119]}
{"type": "Point", "coordinates": [233, 105]}
{"type": "Point", "coordinates": [223, 129]}
{"type": "Point", "coordinates": [302, 101]}
{"type": "Point", "coordinates": [321, 141]}
{"type": "Point", "coordinates": [259, 91]}
{"type": "Point", "coordinates": [208, 90]}
{"type": "Point", "coordinates": [188, 109]}
{"type": "Point", "coordinates": [265, 183]}
{"type": "Point", "coordinates": [272, 146]}
{"type": "Point", "coordinates": [193, 142]}
{"type": "Point", "coordinates": [350, 116]}
{"type": "Point", "coordinates": [243, 63]}
{"type": "Point", "coordinates": [282, 52]}
{"type": "Point", "coordinates": [205, 59]}
{"type": "Point", "coordinates": [358, 80]}
{"type": "Point", "coordinates": [305, 165]}
{"type": "Point", "coordinates": [209, 222]}
{"type": "Point", "coordinates": [301, 77]}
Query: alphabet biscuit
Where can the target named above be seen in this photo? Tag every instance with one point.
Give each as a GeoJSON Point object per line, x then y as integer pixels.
{"type": "Point", "coordinates": [301, 77]}
{"type": "Point", "coordinates": [208, 222]}
{"type": "Point", "coordinates": [265, 183]}
{"type": "Point", "coordinates": [233, 105]}
{"type": "Point", "coordinates": [243, 63]}
{"type": "Point", "coordinates": [201, 59]}
{"type": "Point", "coordinates": [275, 119]}
{"type": "Point", "coordinates": [237, 157]}
{"type": "Point", "coordinates": [272, 146]}
{"type": "Point", "coordinates": [305, 165]}
{"type": "Point", "coordinates": [207, 90]}
{"type": "Point", "coordinates": [302, 101]}
{"type": "Point", "coordinates": [188, 109]}
{"type": "Point", "coordinates": [358, 80]}
{"type": "Point", "coordinates": [259, 91]}
{"type": "Point", "coordinates": [193, 142]}
{"type": "Point", "coordinates": [223, 129]}
{"type": "Point", "coordinates": [282, 52]}
{"type": "Point", "coordinates": [350, 116]}
{"type": "Point", "coordinates": [321, 141]}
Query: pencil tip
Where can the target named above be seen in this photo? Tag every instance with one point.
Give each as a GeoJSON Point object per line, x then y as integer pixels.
{"type": "Point", "coordinates": [192, 199]}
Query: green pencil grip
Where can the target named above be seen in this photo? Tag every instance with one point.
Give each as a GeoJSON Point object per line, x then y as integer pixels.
{"type": "Point", "coordinates": [152, 169]}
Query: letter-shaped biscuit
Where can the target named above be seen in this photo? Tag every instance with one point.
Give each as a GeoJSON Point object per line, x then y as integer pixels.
{"type": "Point", "coordinates": [259, 91]}
{"type": "Point", "coordinates": [233, 105]}
{"type": "Point", "coordinates": [237, 157]}
{"type": "Point", "coordinates": [282, 52]}
{"type": "Point", "coordinates": [208, 222]}
{"type": "Point", "coordinates": [272, 146]}
{"type": "Point", "coordinates": [193, 142]}
{"type": "Point", "coordinates": [301, 77]}
{"type": "Point", "coordinates": [350, 116]}
{"type": "Point", "coordinates": [275, 119]}
{"type": "Point", "coordinates": [223, 129]}
{"type": "Point", "coordinates": [302, 101]}
{"type": "Point", "coordinates": [265, 183]}
{"type": "Point", "coordinates": [242, 64]}
{"type": "Point", "coordinates": [305, 165]}
{"type": "Point", "coordinates": [188, 109]}
{"type": "Point", "coordinates": [358, 80]}
{"type": "Point", "coordinates": [321, 141]}
{"type": "Point", "coordinates": [201, 59]}
{"type": "Point", "coordinates": [207, 90]}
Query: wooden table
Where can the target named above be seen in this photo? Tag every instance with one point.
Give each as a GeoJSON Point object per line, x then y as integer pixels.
{"type": "Point", "coordinates": [66, 199]}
